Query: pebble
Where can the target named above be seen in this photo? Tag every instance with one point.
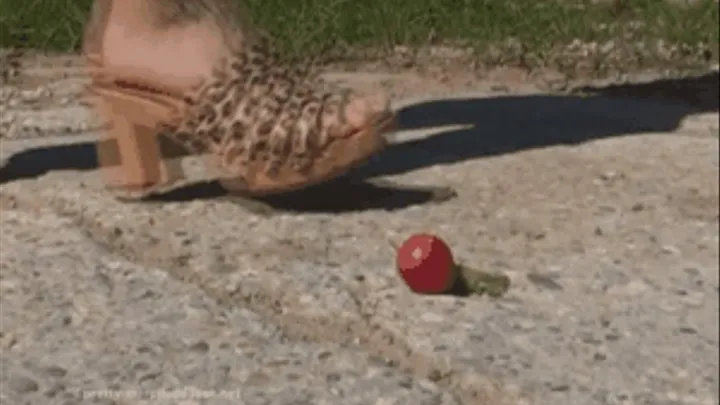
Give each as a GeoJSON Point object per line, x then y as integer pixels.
{"type": "Point", "coordinates": [22, 384]}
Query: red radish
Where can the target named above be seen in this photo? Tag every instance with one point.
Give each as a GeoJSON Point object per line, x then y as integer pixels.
{"type": "Point", "coordinates": [426, 264]}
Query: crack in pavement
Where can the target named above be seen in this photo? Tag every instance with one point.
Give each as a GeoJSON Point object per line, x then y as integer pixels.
{"type": "Point", "coordinates": [277, 307]}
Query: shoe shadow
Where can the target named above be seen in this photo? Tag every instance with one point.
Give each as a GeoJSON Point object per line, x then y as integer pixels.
{"type": "Point", "coordinates": [502, 125]}
{"type": "Point", "coordinates": [344, 194]}
{"type": "Point", "coordinates": [36, 162]}
{"type": "Point", "coordinates": [498, 125]}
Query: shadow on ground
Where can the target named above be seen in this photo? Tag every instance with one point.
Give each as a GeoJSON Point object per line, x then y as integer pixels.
{"type": "Point", "coordinates": [502, 125]}
{"type": "Point", "coordinates": [496, 125]}
{"type": "Point", "coordinates": [345, 194]}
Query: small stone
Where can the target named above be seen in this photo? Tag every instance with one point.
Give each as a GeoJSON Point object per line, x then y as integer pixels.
{"type": "Point", "coordinates": [544, 281]}
{"type": "Point", "coordinates": [23, 384]}
{"type": "Point", "coordinates": [324, 355]}
{"type": "Point", "coordinates": [558, 387]}
{"type": "Point", "coordinates": [431, 317]}
{"type": "Point", "coordinates": [500, 88]}
{"type": "Point", "coordinates": [434, 375]}
{"type": "Point", "coordinates": [692, 272]}
{"type": "Point", "coordinates": [606, 209]}
{"type": "Point", "coordinates": [598, 356]}
{"type": "Point", "coordinates": [55, 371]}
{"type": "Point", "coordinates": [632, 288]}
{"type": "Point", "coordinates": [687, 330]}
{"type": "Point", "coordinates": [612, 336]}
{"type": "Point", "coordinates": [54, 391]}
{"type": "Point", "coordinates": [693, 299]}
{"type": "Point", "coordinates": [588, 338]}
{"type": "Point", "coordinates": [141, 366]}
{"type": "Point", "coordinates": [257, 378]}
{"type": "Point", "coordinates": [152, 376]}
{"type": "Point", "coordinates": [200, 347]}
{"type": "Point", "coordinates": [611, 175]}
{"type": "Point", "coordinates": [524, 325]}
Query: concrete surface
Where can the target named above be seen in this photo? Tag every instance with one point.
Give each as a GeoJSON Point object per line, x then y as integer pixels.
{"type": "Point", "coordinates": [602, 211]}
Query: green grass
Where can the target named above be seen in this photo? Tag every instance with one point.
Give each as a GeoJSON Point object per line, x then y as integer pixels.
{"type": "Point", "coordinates": [338, 28]}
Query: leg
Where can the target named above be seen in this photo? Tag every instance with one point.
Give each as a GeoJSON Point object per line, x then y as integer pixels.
{"type": "Point", "coordinates": [95, 28]}
{"type": "Point", "coordinates": [164, 45]}
{"type": "Point", "coordinates": [130, 154]}
{"type": "Point", "coordinates": [168, 42]}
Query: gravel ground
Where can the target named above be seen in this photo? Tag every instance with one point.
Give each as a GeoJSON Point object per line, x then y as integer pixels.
{"type": "Point", "coordinates": [602, 211]}
{"type": "Point", "coordinates": [81, 323]}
